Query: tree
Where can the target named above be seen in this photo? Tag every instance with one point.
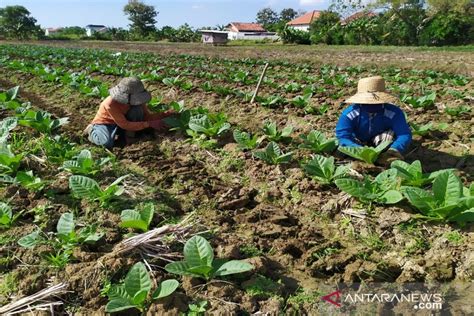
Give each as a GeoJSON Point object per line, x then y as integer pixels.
{"type": "Point", "coordinates": [326, 29]}
{"type": "Point", "coordinates": [16, 22]}
{"type": "Point", "coordinates": [288, 14]}
{"type": "Point", "coordinates": [268, 18]}
{"type": "Point", "coordinates": [142, 17]}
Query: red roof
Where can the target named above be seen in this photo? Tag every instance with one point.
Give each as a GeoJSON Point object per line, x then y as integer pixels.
{"type": "Point", "coordinates": [246, 27]}
{"type": "Point", "coordinates": [305, 19]}
{"type": "Point", "coordinates": [358, 15]}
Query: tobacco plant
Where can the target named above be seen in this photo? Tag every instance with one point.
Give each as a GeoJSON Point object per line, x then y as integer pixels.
{"type": "Point", "coordinates": [273, 155]}
{"type": "Point", "coordinates": [323, 169]}
{"type": "Point", "coordinates": [63, 241]}
{"type": "Point", "coordinates": [41, 121]}
{"type": "Point", "coordinates": [246, 141]}
{"type": "Point", "coordinates": [86, 188]}
{"type": "Point", "coordinates": [139, 218]}
{"type": "Point", "coordinates": [135, 290]}
{"type": "Point", "coordinates": [199, 262]}
{"type": "Point", "coordinates": [84, 164]}
{"type": "Point", "coordinates": [384, 189]}
{"type": "Point", "coordinates": [318, 143]}
{"type": "Point", "coordinates": [412, 174]}
{"type": "Point", "coordinates": [274, 135]}
{"type": "Point", "coordinates": [9, 162]}
{"type": "Point", "coordinates": [364, 153]}
{"type": "Point", "coordinates": [447, 201]}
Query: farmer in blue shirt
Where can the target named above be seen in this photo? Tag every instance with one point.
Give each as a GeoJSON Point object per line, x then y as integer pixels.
{"type": "Point", "coordinates": [371, 119]}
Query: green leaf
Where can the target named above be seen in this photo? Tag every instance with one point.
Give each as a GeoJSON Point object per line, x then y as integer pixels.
{"type": "Point", "coordinates": [137, 280]}
{"type": "Point", "coordinates": [31, 240]}
{"type": "Point", "coordinates": [166, 288]}
{"type": "Point", "coordinates": [198, 252]}
{"type": "Point", "coordinates": [118, 304]}
{"type": "Point", "coordinates": [353, 187]}
{"type": "Point", "coordinates": [233, 267]}
{"type": "Point", "coordinates": [179, 267]}
{"type": "Point", "coordinates": [5, 214]}
{"type": "Point", "coordinates": [447, 188]}
{"type": "Point", "coordinates": [419, 198]}
{"type": "Point", "coordinates": [84, 187]}
{"type": "Point", "coordinates": [200, 270]}
{"type": "Point", "coordinates": [65, 224]}
{"type": "Point", "coordinates": [140, 297]}
{"type": "Point", "coordinates": [132, 219]}
{"type": "Point", "coordinates": [391, 197]}
{"type": "Point", "coordinates": [118, 292]}
{"type": "Point", "coordinates": [464, 217]}
{"type": "Point", "coordinates": [321, 168]}
{"type": "Point", "coordinates": [147, 213]}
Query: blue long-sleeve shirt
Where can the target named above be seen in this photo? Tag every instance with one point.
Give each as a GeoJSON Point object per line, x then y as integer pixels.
{"type": "Point", "coordinates": [363, 122]}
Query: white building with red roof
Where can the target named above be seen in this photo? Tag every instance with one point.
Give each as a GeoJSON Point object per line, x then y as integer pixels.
{"type": "Point", "coordinates": [303, 22]}
{"type": "Point", "coordinates": [245, 31]}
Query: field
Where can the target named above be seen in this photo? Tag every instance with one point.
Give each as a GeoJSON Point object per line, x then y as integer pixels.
{"type": "Point", "coordinates": [286, 214]}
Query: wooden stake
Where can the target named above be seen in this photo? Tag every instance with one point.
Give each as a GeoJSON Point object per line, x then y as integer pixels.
{"type": "Point", "coordinates": [259, 83]}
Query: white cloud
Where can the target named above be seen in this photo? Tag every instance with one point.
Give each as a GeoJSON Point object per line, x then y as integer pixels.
{"type": "Point", "coordinates": [310, 2]}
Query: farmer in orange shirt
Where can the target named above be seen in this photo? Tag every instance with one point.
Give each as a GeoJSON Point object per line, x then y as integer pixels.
{"type": "Point", "coordinates": [124, 111]}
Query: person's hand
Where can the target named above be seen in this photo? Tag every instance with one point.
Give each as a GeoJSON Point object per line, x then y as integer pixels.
{"type": "Point", "coordinates": [158, 125]}
{"type": "Point", "coordinates": [386, 158]}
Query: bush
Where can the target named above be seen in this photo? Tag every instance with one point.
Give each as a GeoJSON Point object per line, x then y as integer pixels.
{"type": "Point", "coordinates": [292, 36]}
{"type": "Point", "coordinates": [449, 28]}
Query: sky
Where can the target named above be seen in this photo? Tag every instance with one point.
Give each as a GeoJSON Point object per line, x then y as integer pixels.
{"type": "Point", "coordinates": [197, 13]}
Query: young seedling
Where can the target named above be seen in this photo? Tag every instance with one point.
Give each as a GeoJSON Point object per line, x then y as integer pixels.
{"type": "Point", "coordinates": [64, 240]}
{"type": "Point", "coordinates": [246, 141]}
{"type": "Point", "coordinates": [211, 125]}
{"type": "Point", "coordinates": [199, 262]}
{"type": "Point", "coordinates": [384, 189]}
{"type": "Point", "coordinates": [302, 101]}
{"type": "Point", "coordinates": [457, 111]}
{"type": "Point", "coordinates": [138, 218]}
{"type": "Point", "coordinates": [134, 291]}
{"type": "Point", "coordinates": [364, 153]}
{"type": "Point", "coordinates": [41, 121]}
{"type": "Point", "coordinates": [425, 101]}
{"type": "Point", "coordinates": [273, 155]}
{"type": "Point", "coordinates": [318, 143]}
{"type": "Point", "coordinates": [84, 164]}
{"type": "Point", "coordinates": [449, 201]}
{"type": "Point", "coordinates": [6, 125]}
{"type": "Point", "coordinates": [6, 215]}
{"type": "Point", "coordinates": [27, 180]}
{"type": "Point", "coordinates": [423, 130]}
{"type": "Point", "coordinates": [274, 135]}
{"type": "Point", "coordinates": [198, 309]}
{"type": "Point", "coordinates": [323, 169]}
{"type": "Point", "coordinates": [9, 162]}
{"type": "Point", "coordinates": [86, 188]}
{"type": "Point", "coordinates": [412, 174]}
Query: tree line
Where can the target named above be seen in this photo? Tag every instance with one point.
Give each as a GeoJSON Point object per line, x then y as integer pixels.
{"type": "Point", "coordinates": [392, 22]}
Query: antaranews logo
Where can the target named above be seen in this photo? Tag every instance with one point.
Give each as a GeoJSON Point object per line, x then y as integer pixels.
{"type": "Point", "coordinates": [429, 301]}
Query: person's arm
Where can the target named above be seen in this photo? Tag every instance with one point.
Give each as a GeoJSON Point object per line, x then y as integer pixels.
{"type": "Point", "coordinates": [120, 119]}
{"type": "Point", "coordinates": [155, 116]}
{"type": "Point", "coordinates": [345, 128]}
{"type": "Point", "coordinates": [402, 132]}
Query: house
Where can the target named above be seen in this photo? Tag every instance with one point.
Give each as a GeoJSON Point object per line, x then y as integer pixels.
{"type": "Point", "coordinates": [92, 28]}
{"type": "Point", "coordinates": [214, 37]}
{"type": "Point", "coordinates": [303, 22]}
{"type": "Point", "coordinates": [358, 15]}
{"type": "Point", "coordinates": [52, 31]}
{"type": "Point", "coordinates": [249, 31]}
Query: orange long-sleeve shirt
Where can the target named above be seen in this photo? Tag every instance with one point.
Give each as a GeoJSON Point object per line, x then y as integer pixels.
{"type": "Point", "coordinates": [113, 112]}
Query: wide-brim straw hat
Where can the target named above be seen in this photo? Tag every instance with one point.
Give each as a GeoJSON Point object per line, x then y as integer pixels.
{"type": "Point", "coordinates": [130, 91]}
{"type": "Point", "coordinates": [371, 90]}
